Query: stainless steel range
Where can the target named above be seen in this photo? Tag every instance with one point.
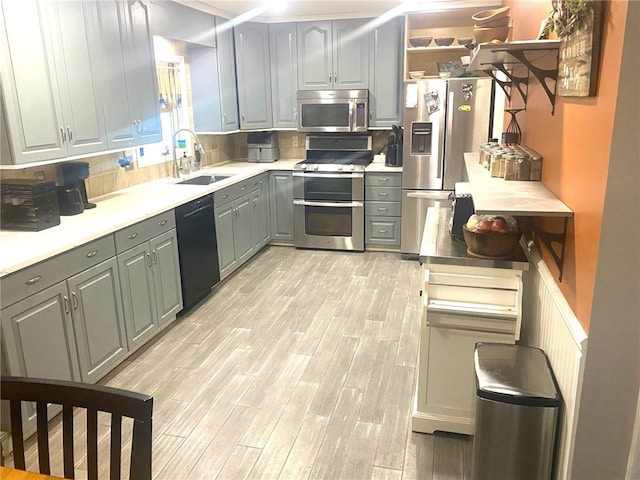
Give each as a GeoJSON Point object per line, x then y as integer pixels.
{"type": "Point", "coordinates": [328, 192]}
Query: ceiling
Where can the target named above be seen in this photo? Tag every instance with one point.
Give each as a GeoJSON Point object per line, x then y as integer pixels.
{"type": "Point", "coordinates": [298, 10]}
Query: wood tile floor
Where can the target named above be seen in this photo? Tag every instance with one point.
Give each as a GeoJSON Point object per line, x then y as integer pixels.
{"type": "Point", "coordinates": [299, 366]}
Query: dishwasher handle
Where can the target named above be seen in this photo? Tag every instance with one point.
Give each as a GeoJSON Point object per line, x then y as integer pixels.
{"type": "Point", "coordinates": [196, 212]}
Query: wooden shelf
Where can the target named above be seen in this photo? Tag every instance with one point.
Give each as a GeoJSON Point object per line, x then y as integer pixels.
{"type": "Point", "coordinates": [449, 49]}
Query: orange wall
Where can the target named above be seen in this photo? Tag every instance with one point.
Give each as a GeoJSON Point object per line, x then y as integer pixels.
{"type": "Point", "coordinates": [575, 143]}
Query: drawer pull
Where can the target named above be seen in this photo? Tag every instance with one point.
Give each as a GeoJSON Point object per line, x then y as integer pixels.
{"type": "Point", "coordinates": [162, 223]}
{"type": "Point", "coordinates": [244, 187]}
{"type": "Point", "coordinates": [92, 254]}
{"type": "Point", "coordinates": [382, 209]}
{"type": "Point", "coordinates": [383, 231]}
{"type": "Point", "coordinates": [383, 180]}
{"type": "Point", "coordinates": [132, 236]}
{"type": "Point", "coordinates": [383, 194]}
{"type": "Point", "coordinates": [33, 280]}
{"type": "Point", "coordinates": [225, 196]}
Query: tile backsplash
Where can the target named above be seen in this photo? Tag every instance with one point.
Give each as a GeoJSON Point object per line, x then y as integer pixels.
{"type": "Point", "coordinates": [106, 175]}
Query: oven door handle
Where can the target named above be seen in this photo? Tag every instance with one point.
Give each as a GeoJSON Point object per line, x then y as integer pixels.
{"type": "Point", "coordinates": [307, 203]}
{"type": "Point", "coordinates": [329, 175]}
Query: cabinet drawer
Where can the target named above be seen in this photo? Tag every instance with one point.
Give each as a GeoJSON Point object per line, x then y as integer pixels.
{"type": "Point", "coordinates": [33, 279]}
{"type": "Point", "coordinates": [471, 323]}
{"type": "Point", "coordinates": [233, 192]}
{"type": "Point", "coordinates": [383, 209]}
{"type": "Point", "coordinates": [383, 179]}
{"type": "Point", "coordinates": [142, 231]}
{"type": "Point", "coordinates": [481, 279]}
{"type": "Point", "coordinates": [382, 230]}
{"type": "Point", "coordinates": [383, 194]}
{"type": "Point", "coordinates": [473, 295]}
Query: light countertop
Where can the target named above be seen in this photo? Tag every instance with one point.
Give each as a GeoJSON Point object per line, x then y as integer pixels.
{"type": "Point", "coordinates": [497, 196]}
{"type": "Point", "coordinates": [118, 210]}
{"type": "Point", "coordinates": [438, 246]}
{"type": "Point", "coordinates": [382, 168]}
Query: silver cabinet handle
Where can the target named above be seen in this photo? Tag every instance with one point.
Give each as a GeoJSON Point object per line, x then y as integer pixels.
{"type": "Point", "coordinates": [383, 194]}
{"type": "Point", "coordinates": [382, 231]}
{"type": "Point", "coordinates": [383, 180]}
{"type": "Point", "coordinates": [162, 223]}
{"type": "Point", "coordinates": [33, 280]}
{"type": "Point", "coordinates": [132, 236]}
{"type": "Point", "coordinates": [243, 117]}
{"type": "Point", "coordinates": [224, 117]}
{"type": "Point", "coordinates": [335, 78]}
{"type": "Point", "coordinates": [69, 133]}
{"type": "Point", "coordinates": [329, 77]}
{"type": "Point", "coordinates": [92, 254]}
{"type": "Point", "coordinates": [74, 299]}
{"type": "Point", "coordinates": [63, 135]}
{"type": "Point", "coordinates": [371, 114]}
{"type": "Point", "coordinates": [225, 196]}
{"type": "Point", "coordinates": [66, 304]}
{"type": "Point", "coordinates": [382, 209]}
{"type": "Point", "coordinates": [155, 257]}
{"type": "Point", "coordinates": [256, 183]}
{"type": "Point", "coordinates": [295, 113]}
{"type": "Point", "coordinates": [150, 260]}
{"type": "Point", "coordinates": [244, 187]}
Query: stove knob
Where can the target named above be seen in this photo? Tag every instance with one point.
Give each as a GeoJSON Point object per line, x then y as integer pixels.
{"type": "Point", "coordinates": [352, 167]}
{"type": "Point", "coordinates": [315, 166]}
{"type": "Point", "coordinates": [339, 167]}
{"type": "Point", "coordinates": [303, 166]}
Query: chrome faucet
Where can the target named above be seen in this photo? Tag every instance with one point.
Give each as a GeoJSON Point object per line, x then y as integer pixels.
{"type": "Point", "coordinates": [199, 150]}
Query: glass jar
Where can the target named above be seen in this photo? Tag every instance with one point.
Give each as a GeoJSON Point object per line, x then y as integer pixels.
{"type": "Point", "coordinates": [509, 170]}
{"type": "Point", "coordinates": [496, 162]}
{"type": "Point", "coordinates": [523, 166]}
{"type": "Point", "coordinates": [536, 167]}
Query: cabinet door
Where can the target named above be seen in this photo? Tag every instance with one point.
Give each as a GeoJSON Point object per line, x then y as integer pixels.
{"type": "Point", "coordinates": [76, 52]}
{"type": "Point", "coordinates": [225, 216]}
{"type": "Point", "coordinates": [314, 56]}
{"type": "Point", "coordinates": [254, 78]}
{"type": "Point", "coordinates": [29, 84]}
{"type": "Point", "coordinates": [283, 52]}
{"type": "Point", "coordinates": [350, 54]}
{"type": "Point", "coordinates": [37, 336]}
{"type": "Point", "coordinates": [259, 219]}
{"type": "Point", "coordinates": [141, 71]}
{"type": "Point", "coordinates": [138, 294]}
{"type": "Point", "coordinates": [118, 110]}
{"type": "Point", "coordinates": [227, 76]}
{"type": "Point", "coordinates": [242, 226]}
{"type": "Point", "coordinates": [281, 205]}
{"type": "Point", "coordinates": [98, 319]}
{"type": "Point", "coordinates": [166, 275]}
{"type": "Point", "coordinates": [385, 75]}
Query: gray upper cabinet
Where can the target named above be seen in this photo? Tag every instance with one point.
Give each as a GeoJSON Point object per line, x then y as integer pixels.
{"type": "Point", "coordinates": [130, 90]}
{"type": "Point", "coordinates": [37, 336]}
{"type": "Point", "coordinates": [283, 52]}
{"type": "Point", "coordinates": [254, 76]}
{"type": "Point", "coordinates": [385, 75]}
{"type": "Point", "coordinates": [98, 320]}
{"type": "Point", "coordinates": [213, 83]}
{"type": "Point", "coordinates": [50, 80]}
{"type": "Point", "coordinates": [333, 55]}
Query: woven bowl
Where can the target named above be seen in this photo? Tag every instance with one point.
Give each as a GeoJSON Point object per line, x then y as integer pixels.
{"type": "Point", "coordinates": [488, 15]}
{"type": "Point", "coordinates": [491, 244]}
{"type": "Point", "coordinates": [420, 41]}
{"type": "Point", "coordinates": [485, 35]}
{"type": "Point", "coordinates": [444, 41]}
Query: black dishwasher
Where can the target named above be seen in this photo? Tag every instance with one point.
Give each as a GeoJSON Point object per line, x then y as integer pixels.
{"type": "Point", "coordinates": [197, 248]}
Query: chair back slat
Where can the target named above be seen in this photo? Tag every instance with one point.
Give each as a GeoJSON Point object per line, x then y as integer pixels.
{"type": "Point", "coordinates": [116, 446]}
{"type": "Point", "coordinates": [42, 422]}
{"type": "Point", "coordinates": [94, 399]}
{"type": "Point", "coordinates": [17, 437]}
{"type": "Point", "coordinates": [92, 444]}
{"type": "Point", "coordinates": [67, 440]}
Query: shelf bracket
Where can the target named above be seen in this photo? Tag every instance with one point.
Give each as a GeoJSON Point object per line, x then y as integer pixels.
{"type": "Point", "coordinates": [507, 85]}
{"type": "Point", "coordinates": [549, 239]}
{"type": "Point", "coordinates": [542, 74]}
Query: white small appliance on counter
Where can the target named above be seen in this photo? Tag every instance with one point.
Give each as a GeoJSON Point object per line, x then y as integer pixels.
{"type": "Point", "coordinates": [263, 147]}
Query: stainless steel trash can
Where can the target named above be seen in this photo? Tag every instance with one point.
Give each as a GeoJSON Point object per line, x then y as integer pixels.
{"type": "Point", "coordinates": [517, 407]}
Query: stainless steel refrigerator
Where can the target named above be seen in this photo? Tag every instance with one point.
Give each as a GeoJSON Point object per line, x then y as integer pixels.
{"type": "Point", "coordinates": [443, 119]}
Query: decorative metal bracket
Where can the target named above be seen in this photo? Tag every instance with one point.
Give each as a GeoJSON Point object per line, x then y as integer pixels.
{"type": "Point", "coordinates": [542, 74]}
{"type": "Point", "coordinates": [507, 85]}
{"type": "Point", "coordinates": [549, 239]}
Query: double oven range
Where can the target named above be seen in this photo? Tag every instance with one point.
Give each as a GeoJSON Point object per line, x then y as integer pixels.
{"type": "Point", "coordinates": [328, 192]}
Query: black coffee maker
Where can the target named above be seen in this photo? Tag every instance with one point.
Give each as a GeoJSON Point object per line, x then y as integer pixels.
{"type": "Point", "coordinates": [73, 176]}
{"type": "Point", "coordinates": [394, 147]}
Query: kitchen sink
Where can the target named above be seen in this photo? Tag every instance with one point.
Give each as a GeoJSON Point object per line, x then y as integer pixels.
{"type": "Point", "coordinates": [203, 180]}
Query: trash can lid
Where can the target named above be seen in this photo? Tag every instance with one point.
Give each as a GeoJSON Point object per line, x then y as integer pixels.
{"type": "Point", "coordinates": [515, 374]}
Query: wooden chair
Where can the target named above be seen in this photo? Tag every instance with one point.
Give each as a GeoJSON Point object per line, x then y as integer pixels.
{"type": "Point", "coordinates": [92, 398]}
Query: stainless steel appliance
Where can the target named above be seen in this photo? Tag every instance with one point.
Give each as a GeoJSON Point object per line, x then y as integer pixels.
{"type": "Point", "coordinates": [328, 192]}
{"type": "Point", "coordinates": [337, 111]}
{"type": "Point", "coordinates": [197, 249]}
{"type": "Point", "coordinates": [262, 147]}
{"type": "Point", "coordinates": [443, 119]}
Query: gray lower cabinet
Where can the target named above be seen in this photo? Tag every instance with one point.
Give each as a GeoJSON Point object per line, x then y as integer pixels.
{"type": "Point", "coordinates": [383, 208]}
{"type": "Point", "coordinates": [281, 205]}
{"type": "Point", "coordinates": [260, 225]}
{"type": "Point", "coordinates": [233, 228]}
{"type": "Point", "coordinates": [98, 320]}
{"type": "Point", "coordinates": [150, 284]}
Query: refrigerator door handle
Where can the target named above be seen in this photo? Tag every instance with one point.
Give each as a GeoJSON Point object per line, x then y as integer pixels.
{"type": "Point", "coordinates": [449, 121]}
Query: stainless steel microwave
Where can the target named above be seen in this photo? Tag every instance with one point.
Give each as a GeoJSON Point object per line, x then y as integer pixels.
{"type": "Point", "coordinates": [333, 110]}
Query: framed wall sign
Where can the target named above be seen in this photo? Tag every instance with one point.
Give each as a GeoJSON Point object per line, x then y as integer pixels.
{"type": "Point", "coordinates": [579, 61]}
